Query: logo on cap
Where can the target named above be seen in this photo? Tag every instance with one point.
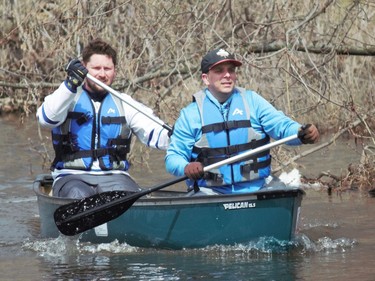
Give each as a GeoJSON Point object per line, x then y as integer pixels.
{"type": "Point", "coordinates": [222, 53]}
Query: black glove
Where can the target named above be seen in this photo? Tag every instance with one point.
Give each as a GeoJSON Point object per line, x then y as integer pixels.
{"type": "Point", "coordinates": [194, 170]}
{"type": "Point", "coordinates": [308, 134]}
{"type": "Point", "coordinates": [76, 74]}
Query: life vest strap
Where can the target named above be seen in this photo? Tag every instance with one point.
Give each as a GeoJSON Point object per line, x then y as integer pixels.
{"type": "Point", "coordinates": [228, 125]}
{"type": "Point", "coordinates": [119, 141]}
{"type": "Point", "coordinates": [218, 179]}
{"type": "Point", "coordinates": [118, 152]}
{"type": "Point", "coordinates": [205, 152]}
{"type": "Point", "coordinates": [60, 138]}
{"type": "Point", "coordinates": [255, 166]}
{"type": "Point", "coordinates": [212, 160]}
{"type": "Point", "coordinates": [113, 120]}
{"type": "Point", "coordinates": [80, 117]}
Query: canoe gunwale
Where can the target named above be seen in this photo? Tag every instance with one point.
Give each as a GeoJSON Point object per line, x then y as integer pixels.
{"type": "Point", "coordinates": [177, 197]}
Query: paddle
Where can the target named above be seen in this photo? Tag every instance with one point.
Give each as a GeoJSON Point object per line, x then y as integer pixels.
{"type": "Point", "coordinates": [87, 213]}
{"type": "Point", "coordinates": [128, 101]}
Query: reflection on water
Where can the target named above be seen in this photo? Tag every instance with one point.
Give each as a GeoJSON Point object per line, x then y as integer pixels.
{"type": "Point", "coordinates": [335, 240]}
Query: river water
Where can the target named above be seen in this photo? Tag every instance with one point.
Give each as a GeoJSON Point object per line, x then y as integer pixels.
{"type": "Point", "coordinates": [335, 239]}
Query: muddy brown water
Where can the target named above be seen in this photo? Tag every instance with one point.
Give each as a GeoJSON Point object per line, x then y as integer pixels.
{"type": "Point", "coordinates": [335, 239]}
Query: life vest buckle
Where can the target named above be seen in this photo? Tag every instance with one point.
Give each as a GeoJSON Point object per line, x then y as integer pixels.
{"type": "Point", "coordinates": [231, 150]}
{"type": "Point", "coordinates": [83, 118]}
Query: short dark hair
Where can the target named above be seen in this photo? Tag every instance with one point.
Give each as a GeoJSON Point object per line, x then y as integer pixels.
{"type": "Point", "coordinates": [100, 47]}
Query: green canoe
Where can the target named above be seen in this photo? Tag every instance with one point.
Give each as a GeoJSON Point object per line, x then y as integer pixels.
{"type": "Point", "coordinates": [169, 219]}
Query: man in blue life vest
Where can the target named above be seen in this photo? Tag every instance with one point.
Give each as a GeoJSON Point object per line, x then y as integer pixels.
{"type": "Point", "coordinates": [222, 121]}
{"type": "Point", "coordinates": [92, 129]}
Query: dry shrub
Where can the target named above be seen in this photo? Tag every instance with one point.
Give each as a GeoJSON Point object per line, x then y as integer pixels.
{"type": "Point", "coordinates": [362, 175]}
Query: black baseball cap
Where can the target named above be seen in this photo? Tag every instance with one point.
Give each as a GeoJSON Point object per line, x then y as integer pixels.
{"type": "Point", "coordinates": [216, 57]}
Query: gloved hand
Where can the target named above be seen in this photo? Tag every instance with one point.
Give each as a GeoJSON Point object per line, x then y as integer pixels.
{"type": "Point", "coordinates": [194, 170]}
{"type": "Point", "coordinates": [308, 134]}
{"type": "Point", "coordinates": [76, 74]}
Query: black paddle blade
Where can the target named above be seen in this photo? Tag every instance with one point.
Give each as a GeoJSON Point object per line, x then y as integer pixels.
{"type": "Point", "coordinates": [87, 213]}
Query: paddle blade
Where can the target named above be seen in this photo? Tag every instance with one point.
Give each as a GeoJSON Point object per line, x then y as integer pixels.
{"type": "Point", "coordinates": [87, 213]}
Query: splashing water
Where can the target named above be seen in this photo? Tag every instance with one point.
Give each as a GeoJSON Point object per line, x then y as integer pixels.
{"type": "Point", "coordinates": [264, 246]}
{"type": "Point", "coordinates": [64, 245]}
{"type": "Point", "coordinates": [292, 179]}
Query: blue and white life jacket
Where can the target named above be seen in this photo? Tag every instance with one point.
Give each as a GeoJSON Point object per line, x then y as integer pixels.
{"type": "Point", "coordinates": [222, 139]}
{"type": "Point", "coordinates": [86, 136]}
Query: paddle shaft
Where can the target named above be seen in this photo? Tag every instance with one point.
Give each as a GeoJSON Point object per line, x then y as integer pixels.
{"type": "Point", "coordinates": [132, 198]}
{"type": "Point", "coordinates": [230, 160]}
{"type": "Point", "coordinates": [128, 101]}
{"type": "Point", "coordinates": [249, 153]}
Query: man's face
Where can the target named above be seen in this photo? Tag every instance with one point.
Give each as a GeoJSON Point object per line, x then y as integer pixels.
{"type": "Point", "coordinates": [102, 68]}
{"type": "Point", "coordinates": [221, 80]}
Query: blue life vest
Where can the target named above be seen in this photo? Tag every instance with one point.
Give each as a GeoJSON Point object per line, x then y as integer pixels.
{"type": "Point", "coordinates": [86, 136]}
{"type": "Point", "coordinates": [222, 139]}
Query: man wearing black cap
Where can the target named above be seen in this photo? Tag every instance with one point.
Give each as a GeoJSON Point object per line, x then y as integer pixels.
{"type": "Point", "coordinates": [223, 121]}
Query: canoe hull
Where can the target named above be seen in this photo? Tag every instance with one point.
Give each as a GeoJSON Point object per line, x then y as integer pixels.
{"type": "Point", "coordinates": [177, 222]}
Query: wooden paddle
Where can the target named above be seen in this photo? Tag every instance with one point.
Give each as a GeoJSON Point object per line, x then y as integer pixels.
{"type": "Point", "coordinates": [87, 213]}
{"type": "Point", "coordinates": [129, 101]}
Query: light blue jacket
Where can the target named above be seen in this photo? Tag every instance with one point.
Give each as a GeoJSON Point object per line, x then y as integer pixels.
{"type": "Point", "coordinates": [264, 118]}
